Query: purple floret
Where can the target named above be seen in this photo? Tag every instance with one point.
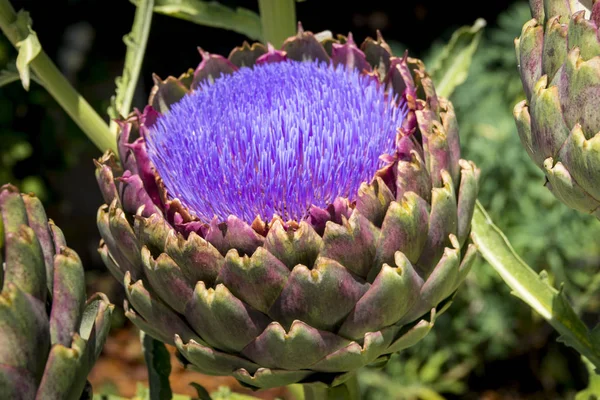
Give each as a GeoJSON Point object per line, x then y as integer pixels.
{"type": "Point", "coordinates": [274, 140]}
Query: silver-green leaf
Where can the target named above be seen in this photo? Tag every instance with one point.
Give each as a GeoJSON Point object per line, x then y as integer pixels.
{"type": "Point", "coordinates": [451, 66]}
{"type": "Point", "coordinates": [526, 284]}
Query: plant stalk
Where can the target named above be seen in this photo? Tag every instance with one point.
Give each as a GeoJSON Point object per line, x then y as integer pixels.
{"type": "Point", "coordinates": [278, 19]}
{"type": "Point", "coordinates": [58, 86]}
{"type": "Point", "coordinates": [348, 390]}
{"type": "Point", "coordinates": [136, 43]}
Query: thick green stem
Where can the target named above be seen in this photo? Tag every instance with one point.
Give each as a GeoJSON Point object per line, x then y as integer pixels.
{"type": "Point", "coordinates": [59, 87]}
{"type": "Point", "coordinates": [348, 390]}
{"type": "Point", "coordinates": [278, 19]}
{"type": "Point", "coordinates": [158, 363]}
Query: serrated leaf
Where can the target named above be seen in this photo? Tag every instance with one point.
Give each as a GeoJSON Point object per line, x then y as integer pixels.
{"type": "Point", "coordinates": [550, 303]}
{"type": "Point", "coordinates": [451, 67]}
{"type": "Point", "coordinates": [158, 361]}
{"type": "Point", "coordinates": [135, 42]}
{"type": "Point", "coordinates": [28, 48]}
{"type": "Point", "coordinates": [212, 13]}
{"type": "Point", "coordinates": [593, 388]}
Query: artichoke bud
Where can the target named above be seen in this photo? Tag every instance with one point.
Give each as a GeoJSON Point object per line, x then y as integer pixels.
{"type": "Point", "coordinates": [290, 215]}
{"type": "Point", "coordinates": [559, 60]}
{"type": "Point", "coordinates": [50, 336]}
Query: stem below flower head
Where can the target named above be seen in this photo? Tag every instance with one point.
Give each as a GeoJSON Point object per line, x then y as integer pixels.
{"type": "Point", "coordinates": [348, 390]}
{"type": "Point", "coordinates": [278, 19]}
{"type": "Point", "coordinates": [58, 86]}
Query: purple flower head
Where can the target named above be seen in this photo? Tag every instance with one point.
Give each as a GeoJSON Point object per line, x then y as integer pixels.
{"type": "Point", "coordinates": [274, 140]}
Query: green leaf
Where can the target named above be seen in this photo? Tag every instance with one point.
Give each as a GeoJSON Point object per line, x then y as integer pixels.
{"type": "Point", "coordinates": [550, 303]}
{"type": "Point", "coordinates": [451, 67]}
{"type": "Point", "coordinates": [135, 42]}
{"type": "Point", "coordinates": [211, 13]}
{"type": "Point", "coordinates": [593, 388]}
{"type": "Point", "coordinates": [158, 361]}
{"type": "Point", "coordinates": [28, 48]}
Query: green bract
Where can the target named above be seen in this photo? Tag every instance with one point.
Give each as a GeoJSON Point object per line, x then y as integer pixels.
{"type": "Point", "coordinates": [50, 337]}
{"type": "Point", "coordinates": [559, 60]}
{"type": "Point", "coordinates": [279, 302]}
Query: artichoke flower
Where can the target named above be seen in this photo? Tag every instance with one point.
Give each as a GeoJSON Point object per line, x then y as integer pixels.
{"type": "Point", "coordinates": [50, 337]}
{"type": "Point", "coordinates": [289, 215]}
{"type": "Point", "coordinates": [559, 123]}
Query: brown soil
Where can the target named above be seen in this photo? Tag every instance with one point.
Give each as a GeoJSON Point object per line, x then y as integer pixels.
{"type": "Point", "coordinates": [121, 366]}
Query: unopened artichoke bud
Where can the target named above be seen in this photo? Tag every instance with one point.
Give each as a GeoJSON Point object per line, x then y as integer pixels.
{"type": "Point", "coordinates": [289, 215]}
{"type": "Point", "coordinates": [50, 336]}
{"type": "Point", "coordinates": [559, 124]}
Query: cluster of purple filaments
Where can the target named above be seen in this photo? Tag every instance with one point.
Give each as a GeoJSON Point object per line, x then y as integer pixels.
{"type": "Point", "coordinates": [274, 140]}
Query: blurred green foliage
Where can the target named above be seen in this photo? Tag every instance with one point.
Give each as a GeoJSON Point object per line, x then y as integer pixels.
{"type": "Point", "coordinates": [485, 325]}
{"type": "Point", "coordinates": [16, 147]}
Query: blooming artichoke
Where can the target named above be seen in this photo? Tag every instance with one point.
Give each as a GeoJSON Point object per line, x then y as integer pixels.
{"type": "Point", "coordinates": [289, 215]}
{"type": "Point", "coordinates": [50, 336]}
{"type": "Point", "coordinates": [559, 60]}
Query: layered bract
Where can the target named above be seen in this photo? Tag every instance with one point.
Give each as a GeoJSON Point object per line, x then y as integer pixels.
{"type": "Point", "coordinates": [559, 123]}
{"type": "Point", "coordinates": [282, 301]}
{"type": "Point", "coordinates": [50, 336]}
